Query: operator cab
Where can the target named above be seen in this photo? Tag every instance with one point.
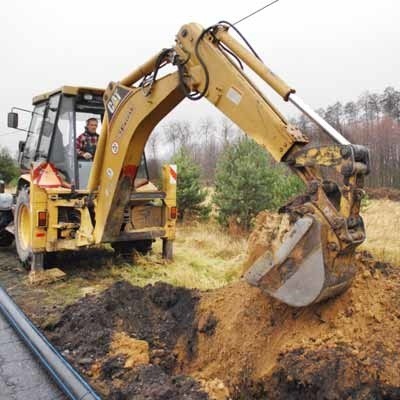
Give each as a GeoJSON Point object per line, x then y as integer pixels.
{"type": "Point", "coordinates": [58, 118]}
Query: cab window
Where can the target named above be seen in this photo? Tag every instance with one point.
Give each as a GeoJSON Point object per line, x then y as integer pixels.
{"type": "Point", "coordinates": [48, 127]}
{"type": "Point", "coordinates": [33, 136]}
{"type": "Point", "coordinates": [62, 152]}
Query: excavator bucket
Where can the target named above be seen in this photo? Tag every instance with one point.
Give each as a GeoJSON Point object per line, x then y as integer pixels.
{"type": "Point", "coordinates": [298, 274]}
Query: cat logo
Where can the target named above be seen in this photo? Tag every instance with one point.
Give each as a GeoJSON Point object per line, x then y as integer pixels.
{"type": "Point", "coordinates": [112, 104]}
{"type": "Point", "coordinates": [115, 100]}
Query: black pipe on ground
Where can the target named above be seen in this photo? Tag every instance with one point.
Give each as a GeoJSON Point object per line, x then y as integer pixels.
{"type": "Point", "coordinates": [69, 381]}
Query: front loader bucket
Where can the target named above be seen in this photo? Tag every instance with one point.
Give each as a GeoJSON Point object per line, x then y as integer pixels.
{"type": "Point", "coordinates": [298, 273]}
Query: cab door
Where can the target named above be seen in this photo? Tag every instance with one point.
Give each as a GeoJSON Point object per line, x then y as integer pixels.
{"type": "Point", "coordinates": [29, 149]}
{"type": "Point", "coordinates": [40, 132]}
{"type": "Point", "coordinates": [49, 123]}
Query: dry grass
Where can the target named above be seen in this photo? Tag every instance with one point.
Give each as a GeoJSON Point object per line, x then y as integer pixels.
{"type": "Point", "coordinates": [382, 221]}
{"type": "Point", "coordinates": [205, 258]}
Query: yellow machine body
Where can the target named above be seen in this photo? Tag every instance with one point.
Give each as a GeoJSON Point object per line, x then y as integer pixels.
{"type": "Point", "coordinates": [314, 263]}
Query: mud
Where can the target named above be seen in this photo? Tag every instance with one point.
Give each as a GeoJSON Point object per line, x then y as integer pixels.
{"type": "Point", "coordinates": [152, 383]}
{"type": "Point", "coordinates": [113, 336]}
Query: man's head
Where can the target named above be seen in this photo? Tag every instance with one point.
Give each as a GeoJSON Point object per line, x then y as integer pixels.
{"type": "Point", "coordinates": [91, 125]}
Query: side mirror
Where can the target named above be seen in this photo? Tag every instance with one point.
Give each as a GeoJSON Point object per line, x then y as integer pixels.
{"type": "Point", "coordinates": [12, 120]}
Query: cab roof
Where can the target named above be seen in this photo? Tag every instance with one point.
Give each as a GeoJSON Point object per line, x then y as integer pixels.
{"type": "Point", "coordinates": [71, 90]}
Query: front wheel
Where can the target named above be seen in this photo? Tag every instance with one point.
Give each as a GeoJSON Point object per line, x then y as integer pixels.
{"type": "Point", "coordinates": [23, 232]}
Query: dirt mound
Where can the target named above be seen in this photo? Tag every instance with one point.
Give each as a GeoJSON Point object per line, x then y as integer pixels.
{"type": "Point", "coordinates": [383, 193]}
{"type": "Point", "coordinates": [346, 347]}
{"type": "Point", "coordinates": [152, 383]}
{"type": "Point", "coordinates": [111, 337]}
{"type": "Point", "coordinates": [162, 342]}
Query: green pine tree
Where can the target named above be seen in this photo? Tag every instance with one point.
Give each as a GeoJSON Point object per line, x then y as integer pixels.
{"type": "Point", "coordinates": [8, 166]}
{"type": "Point", "coordinates": [247, 182]}
{"type": "Point", "coordinates": [190, 194]}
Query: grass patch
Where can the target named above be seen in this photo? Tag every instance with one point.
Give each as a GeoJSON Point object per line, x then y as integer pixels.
{"type": "Point", "coordinates": [205, 257]}
{"type": "Point", "coordinates": [382, 223]}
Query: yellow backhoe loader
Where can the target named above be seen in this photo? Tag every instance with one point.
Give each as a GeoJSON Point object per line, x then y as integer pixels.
{"type": "Point", "coordinates": [57, 209]}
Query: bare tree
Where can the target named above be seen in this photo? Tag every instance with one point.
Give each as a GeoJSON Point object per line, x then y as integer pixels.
{"type": "Point", "coordinates": [351, 112]}
{"type": "Point", "coordinates": [374, 106]}
{"type": "Point", "coordinates": [390, 102]}
{"type": "Point", "coordinates": [152, 145]}
{"type": "Point", "coordinates": [334, 114]}
{"type": "Point", "coordinates": [178, 134]}
{"type": "Point", "coordinates": [226, 131]}
{"type": "Point", "coordinates": [209, 149]}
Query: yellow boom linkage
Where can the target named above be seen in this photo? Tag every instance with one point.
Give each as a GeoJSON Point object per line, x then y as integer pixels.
{"type": "Point", "coordinates": [317, 259]}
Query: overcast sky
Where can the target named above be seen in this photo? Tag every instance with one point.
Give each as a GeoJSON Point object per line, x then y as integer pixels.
{"type": "Point", "coordinates": [327, 49]}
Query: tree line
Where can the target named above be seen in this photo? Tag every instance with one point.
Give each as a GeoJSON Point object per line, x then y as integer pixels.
{"type": "Point", "coordinates": [244, 178]}
{"type": "Point", "coordinates": [372, 120]}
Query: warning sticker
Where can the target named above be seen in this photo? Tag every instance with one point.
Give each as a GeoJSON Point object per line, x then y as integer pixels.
{"type": "Point", "coordinates": [234, 96]}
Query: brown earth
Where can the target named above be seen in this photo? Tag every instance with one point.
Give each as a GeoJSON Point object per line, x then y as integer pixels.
{"type": "Point", "coordinates": [344, 348]}
{"type": "Point", "coordinates": [125, 337]}
{"type": "Point", "coordinates": [163, 342]}
{"type": "Point", "coordinates": [383, 193]}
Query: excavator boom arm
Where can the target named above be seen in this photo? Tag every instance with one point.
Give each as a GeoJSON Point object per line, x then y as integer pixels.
{"type": "Point", "coordinates": [318, 260]}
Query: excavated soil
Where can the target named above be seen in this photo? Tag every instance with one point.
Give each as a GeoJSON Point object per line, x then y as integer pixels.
{"type": "Point", "coordinates": [124, 339]}
{"type": "Point", "coordinates": [344, 348]}
{"type": "Point", "coordinates": [163, 342]}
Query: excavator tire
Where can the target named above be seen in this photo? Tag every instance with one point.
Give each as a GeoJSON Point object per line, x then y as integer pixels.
{"type": "Point", "coordinates": [31, 261]}
{"type": "Point", "coordinates": [22, 223]}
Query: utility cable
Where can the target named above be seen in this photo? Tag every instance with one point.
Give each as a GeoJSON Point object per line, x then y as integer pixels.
{"type": "Point", "coordinates": [255, 12]}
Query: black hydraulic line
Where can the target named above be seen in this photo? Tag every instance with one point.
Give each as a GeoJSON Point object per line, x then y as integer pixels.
{"type": "Point", "coordinates": [69, 381]}
{"type": "Point", "coordinates": [241, 36]}
{"type": "Point", "coordinates": [223, 48]}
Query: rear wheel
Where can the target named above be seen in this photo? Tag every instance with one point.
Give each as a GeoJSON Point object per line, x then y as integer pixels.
{"type": "Point", "coordinates": [23, 228]}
